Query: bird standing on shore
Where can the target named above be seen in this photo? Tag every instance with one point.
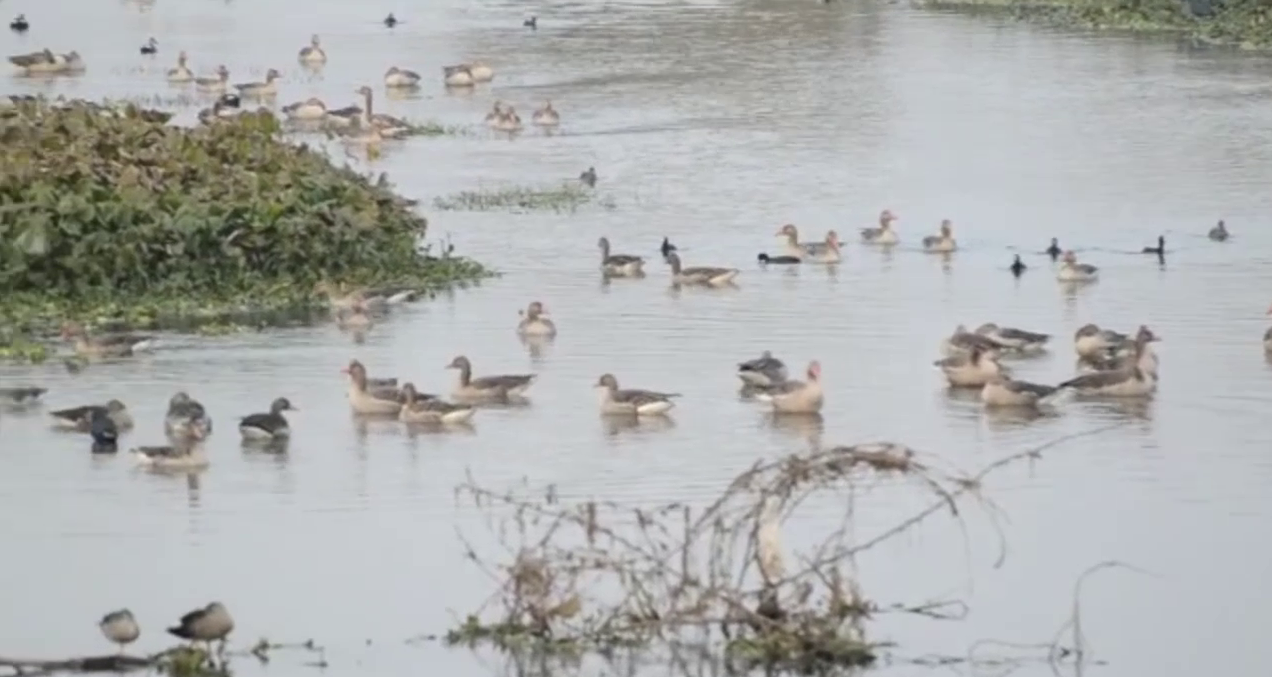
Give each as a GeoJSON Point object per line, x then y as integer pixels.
{"type": "Point", "coordinates": [120, 628]}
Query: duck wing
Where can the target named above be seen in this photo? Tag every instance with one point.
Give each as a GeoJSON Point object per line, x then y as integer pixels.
{"type": "Point", "coordinates": [1097, 379]}
{"type": "Point", "coordinates": [505, 381]}
{"type": "Point", "coordinates": [642, 397]}
{"type": "Point", "coordinates": [706, 271]}
{"type": "Point", "coordinates": [870, 233]}
{"type": "Point", "coordinates": [622, 260]}
{"type": "Point", "coordinates": [439, 406]}
{"type": "Point", "coordinates": [77, 414]}
{"type": "Point", "coordinates": [346, 112]}
{"type": "Point", "coordinates": [1022, 335]}
{"type": "Point", "coordinates": [1033, 388]}
{"type": "Point", "coordinates": [23, 393]}
{"type": "Point", "coordinates": [267, 422]}
{"type": "Point", "coordinates": [761, 364]}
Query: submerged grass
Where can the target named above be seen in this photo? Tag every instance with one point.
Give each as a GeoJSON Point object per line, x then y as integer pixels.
{"type": "Point", "coordinates": [558, 198]}
{"type": "Point", "coordinates": [1242, 23]}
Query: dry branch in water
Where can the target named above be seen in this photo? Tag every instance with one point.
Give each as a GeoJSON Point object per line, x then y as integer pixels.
{"type": "Point", "coordinates": [179, 661]}
{"type": "Point", "coordinates": [599, 574]}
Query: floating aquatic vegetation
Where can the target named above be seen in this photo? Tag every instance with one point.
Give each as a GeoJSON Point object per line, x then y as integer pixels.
{"type": "Point", "coordinates": [106, 213]}
{"type": "Point", "coordinates": [559, 198]}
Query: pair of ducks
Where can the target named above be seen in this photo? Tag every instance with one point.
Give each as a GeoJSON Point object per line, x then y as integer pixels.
{"type": "Point", "coordinates": [467, 74]}
{"type": "Point", "coordinates": [765, 379]}
{"type": "Point", "coordinates": [219, 82]}
{"type": "Point", "coordinates": [827, 251]}
{"type": "Point", "coordinates": [45, 62]}
{"type": "Point", "coordinates": [504, 118]}
{"type": "Point", "coordinates": [626, 265]}
{"type": "Point", "coordinates": [383, 397]}
{"type": "Point", "coordinates": [208, 624]}
{"type": "Point", "coordinates": [943, 242]}
{"type": "Point", "coordinates": [105, 346]}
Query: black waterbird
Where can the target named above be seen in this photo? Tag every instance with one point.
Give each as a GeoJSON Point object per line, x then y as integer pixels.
{"type": "Point", "coordinates": [589, 177]}
{"type": "Point", "coordinates": [390, 20]}
{"type": "Point", "coordinates": [532, 23]}
{"type": "Point", "coordinates": [783, 260]}
{"type": "Point", "coordinates": [19, 24]}
{"type": "Point", "coordinates": [1018, 267]}
{"type": "Point", "coordinates": [667, 247]}
{"type": "Point", "coordinates": [1054, 250]}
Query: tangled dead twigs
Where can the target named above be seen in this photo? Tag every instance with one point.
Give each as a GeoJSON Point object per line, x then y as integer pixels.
{"type": "Point", "coordinates": [599, 574]}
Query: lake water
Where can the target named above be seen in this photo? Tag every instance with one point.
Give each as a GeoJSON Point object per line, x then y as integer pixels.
{"type": "Point", "coordinates": [713, 124]}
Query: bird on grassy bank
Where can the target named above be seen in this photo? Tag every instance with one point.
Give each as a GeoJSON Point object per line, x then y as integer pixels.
{"type": "Point", "coordinates": [1018, 267]}
{"type": "Point", "coordinates": [120, 628]}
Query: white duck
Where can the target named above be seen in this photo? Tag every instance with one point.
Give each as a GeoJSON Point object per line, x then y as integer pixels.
{"type": "Point", "coordinates": [400, 77]}
{"type": "Point", "coordinates": [1001, 391]}
{"type": "Point", "coordinates": [943, 242]}
{"type": "Point", "coordinates": [1072, 271]}
{"type": "Point", "coordinates": [181, 73]}
{"type": "Point", "coordinates": [313, 53]}
{"type": "Point", "coordinates": [972, 370]}
{"type": "Point", "coordinates": [796, 397]}
{"type": "Point", "coordinates": [884, 234]}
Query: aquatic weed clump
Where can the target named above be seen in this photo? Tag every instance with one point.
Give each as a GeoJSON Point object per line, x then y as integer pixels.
{"type": "Point", "coordinates": [559, 198]}
{"type": "Point", "coordinates": [106, 211]}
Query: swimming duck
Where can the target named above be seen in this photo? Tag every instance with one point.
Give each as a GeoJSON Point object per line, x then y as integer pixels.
{"type": "Point", "coordinates": [390, 20]}
{"type": "Point", "coordinates": [44, 61]}
{"type": "Point", "coordinates": [1090, 341]}
{"type": "Point", "coordinates": [269, 426]}
{"type": "Point", "coordinates": [1136, 351]}
{"type": "Point", "coordinates": [354, 317]}
{"type": "Point", "coordinates": [972, 370]}
{"type": "Point", "coordinates": [151, 47]}
{"type": "Point", "coordinates": [962, 342]}
{"type": "Point", "coordinates": [431, 409]}
{"type": "Point", "coordinates": [1128, 381]}
{"type": "Point", "coordinates": [388, 126]}
{"type": "Point", "coordinates": [827, 251]}
{"type": "Point", "coordinates": [181, 73]}
{"type": "Point", "coordinates": [119, 627]}
{"type": "Point", "coordinates": [1159, 250]}
{"type": "Point", "coordinates": [943, 242]}
{"type": "Point", "coordinates": [209, 624]}
{"type": "Point", "coordinates": [186, 418]}
{"type": "Point", "coordinates": [344, 117]}
{"type": "Point", "coordinates": [382, 400]}
{"type": "Point", "coordinates": [1053, 250]}
{"type": "Point", "coordinates": [765, 259]}
{"type": "Point", "coordinates": [457, 76]}
{"type": "Point", "coordinates": [309, 109]}
{"type": "Point", "coordinates": [103, 430]}
{"type": "Point", "coordinates": [114, 345]}
{"type": "Point", "coordinates": [702, 275]}
{"type": "Point", "coordinates": [619, 265]}
{"type": "Point", "coordinates": [267, 88]}
{"type": "Point", "coordinates": [313, 53]}
{"type": "Point", "coordinates": [21, 396]}
{"type": "Point", "coordinates": [1072, 271]}
{"type": "Point", "coordinates": [481, 72]}
{"type": "Point", "coordinates": [589, 178]}
{"type": "Point", "coordinates": [667, 247]}
{"type": "Point", "coordinates": [1001, 391]}
{"type": "Point", "coordinates": [1017, 339]}
{"type": "Point", "coordinates": [534, 321]}
{"type": "Point", "coordinates": [228, 100]}
{"type": "Point", "coordinates": [762, 371]}
{"type": "Point", "coordinates": [20, 24]}
{"type": "Point", "coordinates": [508, 121]}
{"type": "Point", "coordinates": [1018, 267]}
{"type": "Point", "coordinates": [546, 116]}
{"type": "Point", "coordinates": [79, 418]}
{"type": "Point", "coordinates": [616, 401]}
{"type": "Point", "coordinates": [218, 111]}
{"type": "Point", "coordinates": [496, 110]}
{"type": "Point", "coordinates": [1219, 233]}
{"type": "Point", "coordinates": [532, 23]}
{"type": "Point", "coordinates": [795, 397]}
{"type": "Point", "coordinates": [883, 234]}
{"type": "Point", "coordinates": [216, 83]}
{"type": "Point", "coordinates": [170, 457]}
{"type": "Point", "coordinates": [487, 387]}
{"type": "Point", "coordinates": [400, 77]}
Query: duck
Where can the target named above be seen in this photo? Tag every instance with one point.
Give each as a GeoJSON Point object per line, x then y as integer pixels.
{"type": "Point", "coordinates": [1137, 351]}
{"type": "Point", "coordinates": [44, 61]}
{"type": "Point", "coordinates": [1090, 341]}
{"type": "Point", "coordinates": [667, 247]}
{"type": "Point", "coordinates": [313, 52]}
{"type": "Point", "coordinates": [589, 177]}
{"type": "Point", "coordinates": [229, 100]}
{"type": "Point", "coordinates": [827, 251]}
{"type": "Point", "coordinates": [181, 73]}
{"type": "Point", "coordinates": [429, 409]}
{"type": "Point", "coordinates": [119, 627]}
{"type": "Point", "coordinates": [546, 116]}
{"type": "Point", "coordinates": [532, 23]}
{"type": "Point", "coordinates": [972, 370]}
{"type": "Point", "coordinates": [884, 234]}
{"type": "Point", "coordinates": [151, 47]}
{"type": "Point", "coordinates": [170, 457]}
{"type": "Point", "coordinates": [1017, 339]}
{"type": "Point", "coordinates": [1072, 271]}
{"type": "Point", "coordinates": [310, 109]}
{"type": "Point", "coordinates": [780, 259]}
{"type": "Point", "coordinates": [508, 121]}
{"type": "Point", "coordinates": [943, 242]}
{"type": "Point", "coordinates": [790, 234]}
{"type": "Point", "coordinates": [457, 76]}
{"type": "Point", "coordinates": [345, 117]}
{"type": "Point", "coordinates": [22, 395]}
{"type": "Point", "coordinates": [114, 345]}
{"type": "Point", "coordinates": [763, 371]}
{"type": "Point", "coordinates": [1159, 250]}
{"type": "Point", "coordinates": [20, 24]}
{"type": "Point", "coordinates": [261, 89]}
{"type": "Point", "coordinates": [1219, 233]}
{"type": "Point", "coordinates": [487, 387]}
{"type": "Point", "coordinates": [619, 265]}
{"type": "Point", "coordinates": [387, 125]}
{"type": "Point", "coordinates": [701, 275]}
{"type": "Point", "coordinates": [1018, 267]}
{"type": "Point", "coordinates": [80, 418]}
{"type": "Point", "coordinates": [496, 110]}
{"type": "Point", "coordinates": [382, 400]}
{"type": "Point", "coordinates": [481, 72]}
{"type": "Point", "coordinates": [795, 397]}
{"type": "Point", "coordinates": [1130, 380]}
{"type": "Point", "coordinates": [1053, 250]}
{"type": "Point", "coordinates": [216, 83]}
{"type": "Point", "coordinates": [218, 111]}
{"type": "Point", "coordinates": [211, 623]}
{"type": "Point", "coordinates": [400, 77]}
{"type": "Point", "coordinates": [534, 321]}
{"type": "Point", "coordinates": [186, 418]}
{"type": "Point", "coordinates": [354, 317]}
{"type": "Point", "coordinates": [962, 342]}
{"type": "Point", "coordinates": [270, 426]}
{"type": "Point", "coordinates": [628, 402]}
{"type": "Point", "coordinates": [1001, 391]}
{"type": "Point", "coordinates": [390, 20]}
{"type": "Point", "coordinates": [103, 430]}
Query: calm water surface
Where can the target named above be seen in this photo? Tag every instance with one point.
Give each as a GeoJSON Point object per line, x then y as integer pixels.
{"type": "Point", "coordinates": [712, 124]}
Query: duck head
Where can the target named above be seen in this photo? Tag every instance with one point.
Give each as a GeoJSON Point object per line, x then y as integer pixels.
{"type": "Point", "coordinates": [789, 231]}
{"type": "Point", "coordinates": [280, 405]}
{"type": "Point", "coordinates": [607, 381]}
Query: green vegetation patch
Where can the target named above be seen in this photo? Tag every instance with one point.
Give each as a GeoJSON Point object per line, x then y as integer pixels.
{"type": "Point", "coordinates": [557, 198]}
{"type": "Point", "coordinates": [107, 215]}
